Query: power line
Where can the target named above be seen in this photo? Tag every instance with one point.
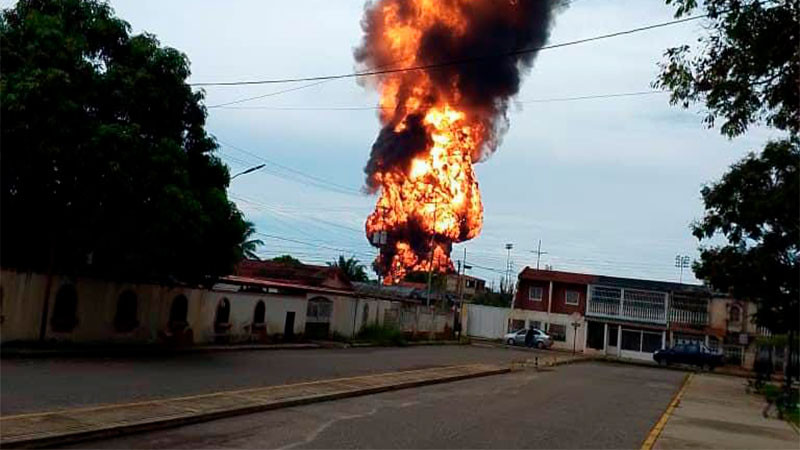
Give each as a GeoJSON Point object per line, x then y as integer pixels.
{"type": "Point", "coordinates": [374, 108]}
{"type": "Point", "coordinates": [311, 179]}
{"type": "Point", "coordinates": [476, 59]}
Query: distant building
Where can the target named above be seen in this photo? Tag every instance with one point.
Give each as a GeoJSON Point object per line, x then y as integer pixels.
{"type": "Point", "coordinates": [623, 317]}
{"type": "Point", "coordinates": [470, 286]}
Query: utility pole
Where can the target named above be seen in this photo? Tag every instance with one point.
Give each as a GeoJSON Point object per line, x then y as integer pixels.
{"type": "Point", "coordinates": [682, 262]}
{"type": "Point", "coordinates": [539, 254]}
{"type": "Point", "coordinates": [509, 246]}
{"type": "Point", "coordinates": [463, 266]}
{"type": "Point", "coordinates": [430, 259]}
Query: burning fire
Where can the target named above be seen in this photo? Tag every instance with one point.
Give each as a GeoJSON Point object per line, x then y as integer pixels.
{"type": "Point", "coordinates": [440, 119]}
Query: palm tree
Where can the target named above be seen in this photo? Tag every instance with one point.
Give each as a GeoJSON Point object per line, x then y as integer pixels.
{"type": "Point", "coordinates": [351, 267]}
{"type": "Point", "coordinates": [249, 246]}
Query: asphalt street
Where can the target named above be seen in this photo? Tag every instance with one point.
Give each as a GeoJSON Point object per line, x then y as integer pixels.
{"type": "Point", "coordinates": [30, 385]}
{"type": "Point", "coordinates": [585, 405]}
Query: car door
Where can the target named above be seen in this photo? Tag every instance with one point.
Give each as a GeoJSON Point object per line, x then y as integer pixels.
{"type": "Point", "coordinates": [693, 355]}
{"type": "Point", "coordinates": [520, 337]}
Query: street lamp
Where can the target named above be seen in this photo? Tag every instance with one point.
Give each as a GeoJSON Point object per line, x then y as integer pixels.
{"type": "Point", "coordinates": [252, 169]}
{"type": "Point", "coordinates": [682, 262]}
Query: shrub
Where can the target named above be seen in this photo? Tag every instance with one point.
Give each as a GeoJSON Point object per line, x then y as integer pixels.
{"type": "Point", "coordinates": [382, 335]}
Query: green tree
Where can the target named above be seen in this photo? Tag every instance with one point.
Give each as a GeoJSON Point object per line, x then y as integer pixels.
{"type": "Point", "coordinates": [106, 167]}
{"type": "Point", "coordinates": [351, 267]}
{"type": "Point", "coordinates": [249, 246]}
{"type": "Point", "coordinates": [745, 72]}
{"type": "Point", "coordinates": [288, 260]}
{"type": "Point", "coordinates": [755, 206]}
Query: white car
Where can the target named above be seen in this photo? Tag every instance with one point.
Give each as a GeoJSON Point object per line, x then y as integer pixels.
{"type": "Point", "coordinates": [540, 338]}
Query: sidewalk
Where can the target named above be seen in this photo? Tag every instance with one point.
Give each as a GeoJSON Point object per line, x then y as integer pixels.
{"type": "Point", "coordinates": [54, 428]}
{"type": "Point", "coordinates": [714, 411]}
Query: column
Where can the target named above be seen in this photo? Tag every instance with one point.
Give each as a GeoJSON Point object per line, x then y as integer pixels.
{"type": "Point", "coordinates": [605, 338]}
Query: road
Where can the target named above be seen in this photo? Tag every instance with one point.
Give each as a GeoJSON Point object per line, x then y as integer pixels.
{"type": "Point", "coordinates": [46, 384]}
{"type": "Point", "coordinates": [586, 405]}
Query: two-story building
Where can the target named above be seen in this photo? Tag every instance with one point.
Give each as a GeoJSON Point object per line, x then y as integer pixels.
{"type": "Point", "coordinates": [614, 316]}
{"type": "Point", "coordinates": [555, 302]}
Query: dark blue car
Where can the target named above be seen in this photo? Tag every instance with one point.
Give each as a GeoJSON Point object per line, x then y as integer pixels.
{"type": "Point", "coordinates": [692, 354]}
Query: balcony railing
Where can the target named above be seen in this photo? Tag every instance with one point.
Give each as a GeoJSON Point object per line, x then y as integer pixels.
{"type": "Point", "coordinates": [682, 316]}
{"type": "Point", "coordinates": [627, 304]}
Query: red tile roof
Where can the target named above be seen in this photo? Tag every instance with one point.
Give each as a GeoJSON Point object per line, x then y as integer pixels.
{"type": "Point", "coordinates": [554, 275]}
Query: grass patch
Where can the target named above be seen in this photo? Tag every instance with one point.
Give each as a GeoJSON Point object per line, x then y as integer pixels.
{"type": "Point", "coordinates": [381, 335]}
{"type": "Point", "coordinates": [789, 409]}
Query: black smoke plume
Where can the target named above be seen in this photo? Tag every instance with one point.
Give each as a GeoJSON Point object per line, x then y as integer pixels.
{"type": "Point", "coordinates": [485, 65]}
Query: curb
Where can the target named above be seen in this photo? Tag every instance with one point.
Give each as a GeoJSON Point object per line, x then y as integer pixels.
{"type": "Point", "coordinates": [655, 432]}
{"type": "Point", "coordinates": [11, 353]}
{"type": "Point", "coordinates": [186, 418]}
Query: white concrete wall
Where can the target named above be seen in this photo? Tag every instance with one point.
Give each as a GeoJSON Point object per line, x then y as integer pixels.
{"type": "Point", "coordinates": [486, 321]}
{"type": "Point", "coordinates": [23, 299]}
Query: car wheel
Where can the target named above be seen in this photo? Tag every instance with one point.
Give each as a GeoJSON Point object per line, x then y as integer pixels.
{"type": "Point", "coordinates": [510, 342]}
{"type": "Point", "coordinates": [540, 345]}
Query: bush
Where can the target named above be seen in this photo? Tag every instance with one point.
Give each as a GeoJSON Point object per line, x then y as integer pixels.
{"type": "Point", "coordinates": [382, 335]}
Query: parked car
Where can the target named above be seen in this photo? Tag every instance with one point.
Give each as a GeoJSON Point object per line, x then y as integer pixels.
{"type": "Point", "coordinates": [540, 338]}
{"type": "Point", "coordinates": [692, 354]}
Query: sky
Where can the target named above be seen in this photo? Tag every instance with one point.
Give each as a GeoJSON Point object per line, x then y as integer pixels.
{"type": "Point", "coordinates": [609, 186]}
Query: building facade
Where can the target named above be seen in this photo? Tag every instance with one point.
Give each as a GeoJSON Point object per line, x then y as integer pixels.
{"type": "Point", "coordinates": [308, 302]}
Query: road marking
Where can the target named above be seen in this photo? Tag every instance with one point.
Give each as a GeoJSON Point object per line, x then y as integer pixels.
{"type": "Point", "coordinates": [655, 432]}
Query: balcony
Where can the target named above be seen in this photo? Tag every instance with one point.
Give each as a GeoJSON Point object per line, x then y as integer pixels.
{"type": "Point", "coordinates": [627, 304]}
{"type": "Point", "coordinates": [690, 311]}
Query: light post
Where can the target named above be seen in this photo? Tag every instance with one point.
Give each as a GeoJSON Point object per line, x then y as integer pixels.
{"type": "Point", "coordinates": [250, 170]}
{"type": "Point", "coordinates": [682, 262]}
{"type": "Point", "coordinates": [509, 246]}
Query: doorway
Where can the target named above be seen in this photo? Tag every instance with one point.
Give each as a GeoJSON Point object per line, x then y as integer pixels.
{"type": "Point", "coordinates": [613, 340]}
{"type": "Point", "coordinates": [288, 327]}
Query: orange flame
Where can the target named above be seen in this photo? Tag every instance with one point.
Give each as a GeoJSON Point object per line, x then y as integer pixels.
{"type": "Point", "coordinates": [434, 201]}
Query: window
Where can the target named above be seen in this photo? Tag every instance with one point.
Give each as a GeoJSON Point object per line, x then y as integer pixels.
{"type": "Point", "coordinates": [470, 283]}
{"type": "Point", "coordinates": [260, 314]}
{"type": "Point", "coordinates": [65, 310]}
{"type": "Point", "coordinates": [535, 293]}
{"type": "Point", "coordinates": [319, 308]}
{"type": "Point", "coordinates": [735, 314]}
{"type": "Point", "coordinates": [613, 335]}
{"type": "Point", "coordinates": [517, 324]}
{"type": "Point", "coordinates": [535, 324]}
{"type": "Point", "coordinates": [558, 332]}
{"type": "Point", "coordinates": [125, 319]}
{"type": "Point", "coordinates": [572, 298]}
{"type": "Point", "coordinates": [632, 340]}
{"type": "Point", "coordinates": [178, 312]}
{"type": "Point", "coordinates": [223, 317]}
{"type": "Point", "coordinates": [651, 342]}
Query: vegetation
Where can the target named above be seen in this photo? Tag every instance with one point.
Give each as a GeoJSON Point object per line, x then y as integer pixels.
{"type": "Point", "coordinates": [249, 245]}
{"type": "Point", "coordinates": [106, 165]}
{"type": "Point", "coordinates": [351, 267]}
{"type": "Point", "coordinates": [787, 405]}
{"type": "Point", "coordinates": [288, 260]}
{"type": "Point", "coordinates": [385, 335]}
{"type": "Point", "coordinates": [743, 78]}
{"type": "Point", "coordinates": [490, 298]}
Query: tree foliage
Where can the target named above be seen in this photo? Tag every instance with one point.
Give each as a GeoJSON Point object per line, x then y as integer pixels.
{"type": "Point", "coordinates": [755, 206]}
{"type": "Point", "coordinates": [106, 165]}
{"type": "Point", "coordinates": [351, 267]}
{"type": "Point", "coordinates": [745, 70]}
{"type": "Point", "coordinates": [288, 260]}
{"type": "Point", "coordinates": [249, 245]}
